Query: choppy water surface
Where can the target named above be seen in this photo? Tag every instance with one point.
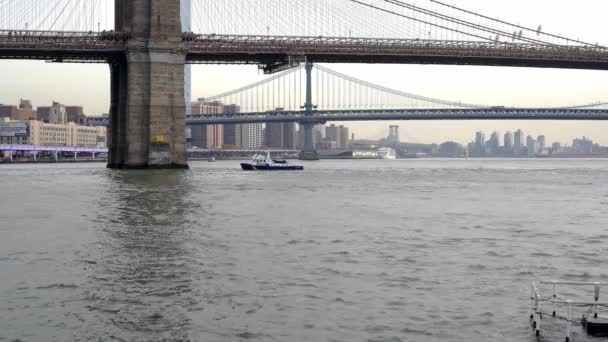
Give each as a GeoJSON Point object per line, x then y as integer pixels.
{"type": "Point", "coordinates": [412, 250]}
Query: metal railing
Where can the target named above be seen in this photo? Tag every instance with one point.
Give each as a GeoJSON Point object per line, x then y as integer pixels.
{"type": "Point", "coordinates": [62, 40]}
{"type": "Point", "coordinates": [536, 301]}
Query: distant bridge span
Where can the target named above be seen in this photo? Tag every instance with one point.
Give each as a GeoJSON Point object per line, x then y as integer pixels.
{"type": "Point", "coordinates": [321, 116]}
{"type": "Point", "coordinates": [403, 114]}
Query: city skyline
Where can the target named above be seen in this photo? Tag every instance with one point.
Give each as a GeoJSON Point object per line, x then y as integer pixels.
{"type": "Point", "coordinates": [78, 110]}
{"type": "Point", "coordinates": [89, 84]}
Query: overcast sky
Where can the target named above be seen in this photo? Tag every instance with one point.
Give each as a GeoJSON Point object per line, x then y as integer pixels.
{"type": "Point", "coordinates": [88, 85]}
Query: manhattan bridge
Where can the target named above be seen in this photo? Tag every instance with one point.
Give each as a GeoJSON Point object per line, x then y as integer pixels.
{"type": "Point", "coordinates": [149, 44]}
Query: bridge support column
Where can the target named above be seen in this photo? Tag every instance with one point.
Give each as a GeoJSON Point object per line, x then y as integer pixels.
{"type": "Point", "coordinates": [309, 152]}
{"type": "Point", "coordinates": [147, 112]}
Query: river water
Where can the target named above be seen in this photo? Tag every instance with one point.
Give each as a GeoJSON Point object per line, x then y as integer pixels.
{"type": "Point", "coordinates": [407, 250]}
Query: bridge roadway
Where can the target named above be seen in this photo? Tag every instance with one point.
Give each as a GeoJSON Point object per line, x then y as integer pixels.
{"type": "Point", "coordinates": [277, 51]}
{"type": "Point", "coordinates": [390, 114]}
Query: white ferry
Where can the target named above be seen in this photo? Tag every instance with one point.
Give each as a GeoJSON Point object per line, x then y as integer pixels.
{"type": "Point", "coordinates": [387, 153]}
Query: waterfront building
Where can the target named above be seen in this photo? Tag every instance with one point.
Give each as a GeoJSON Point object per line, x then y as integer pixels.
{"type": "Point", "coordinates": [450, 149]}
{"type": "Point", "coordinates": [556, 147]}
{"type": "Point", "coordinates": [72, 114]}
{"type": "Point", "coordinates": [365, 154]}
{"type": "Point", "coordinates": [8, 111]}
{"type": "Point", "coordinates": [22, 112]}
{"type": "Point", "coordinates": [327, 145]}
{"type": "Point", "coordinates": [13, 132]}
{"type": "Point", "coordinates": [70, 134]}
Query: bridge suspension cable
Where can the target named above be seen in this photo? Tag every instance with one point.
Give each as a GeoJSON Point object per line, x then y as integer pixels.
{"type": "Point", "coordinates": [331, 91]}
{"type": "Point", "coordinates": [403, 19]}
{"type": "Point", "coordinates": [538, 31]}
{"type": "Point", "coordinates": [57, 15]}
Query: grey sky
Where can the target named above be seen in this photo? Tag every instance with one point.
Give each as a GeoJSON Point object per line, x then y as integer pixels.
{"type": "Point", "coordinates": [89, 84]}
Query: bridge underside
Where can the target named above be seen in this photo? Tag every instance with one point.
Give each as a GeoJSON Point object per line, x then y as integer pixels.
{"type": "Point", "coordinates": [274, 62]}
{"type": "Point", "coordinates": [79, 56]}
{"type": "Point", "coordinates": [268, 60]}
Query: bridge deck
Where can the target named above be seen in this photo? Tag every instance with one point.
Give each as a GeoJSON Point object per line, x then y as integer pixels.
{"type": "Point", "coordinates": [213, 48]}
{"type": "Point", "coordinates": [264, 49]}
{"type": "Point", "coordinates": [61, 45]}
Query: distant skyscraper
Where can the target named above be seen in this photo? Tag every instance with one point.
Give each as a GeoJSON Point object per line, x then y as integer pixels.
{"type": "Point", "coordinates": [541, 143]}
{"type": "Point", "coordinates": [331, 133]}
{"type": "Point", "coordinates": [58, 115]}
{"type": "Point", "coordinates": [75, 114]}
{"type": "Point", "coordinates": [233, 132]}
{"type": "Point", "coordinates": [290, 135]}
{"type": "Point", "coordinates": [25, 104]}
{"type": "Point", "coordinates": [532, 146]}
{"type": "Point", "coordinates": [494, 143]}
{"type": "Point", "coordinates": [583, 146]}
{"type": "Point", "coordinates": [393, 135]}
{"type": "Point", "coordinates": [321, 130]}
{"type": "Point", "coordinates": [518, 142]}
{"type": "Point", "coordinates": [556, 147]}
{"type": "Point", "coordinates": [25, 111]}
{"type": "Point", "coordinates": [508, 141]}
{"type": "Point", "coordinates": [281, 135]}
{"type": "Point", "coordinates": [342, 137]}
{"type": "Point", "coordinates": [232, 135]}
{"type": "Point", "coordinates": [338, 134]}
{"type": "Point", "coordinates": [207, 136]}
{"type": "Point", "coordinates": [480, 144]}
{"type": "Point", "coordinates": [273, 135]}
{"type": "Point", "coordinates": [480, 139]}
{"type": "Point", "coordinates": [252, 136]}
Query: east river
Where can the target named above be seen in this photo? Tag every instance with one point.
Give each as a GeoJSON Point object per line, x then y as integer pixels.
{"type": "Point", "coordinates": [406, 250]}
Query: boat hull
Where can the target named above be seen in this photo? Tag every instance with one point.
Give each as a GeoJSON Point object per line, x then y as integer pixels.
{"type": "Point", "coordinates": [251, 167]}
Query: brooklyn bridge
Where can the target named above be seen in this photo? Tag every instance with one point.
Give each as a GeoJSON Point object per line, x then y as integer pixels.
{"type": "Point", "coordinates": [149, 44]}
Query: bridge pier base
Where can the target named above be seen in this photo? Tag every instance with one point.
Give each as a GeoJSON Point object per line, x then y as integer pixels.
{"type": "Point", "coordinates": [309, 152]}
{"type": "Point", "coordinates": [147, 111]}
{"type": "Point", "coordinates": [309, 155]}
